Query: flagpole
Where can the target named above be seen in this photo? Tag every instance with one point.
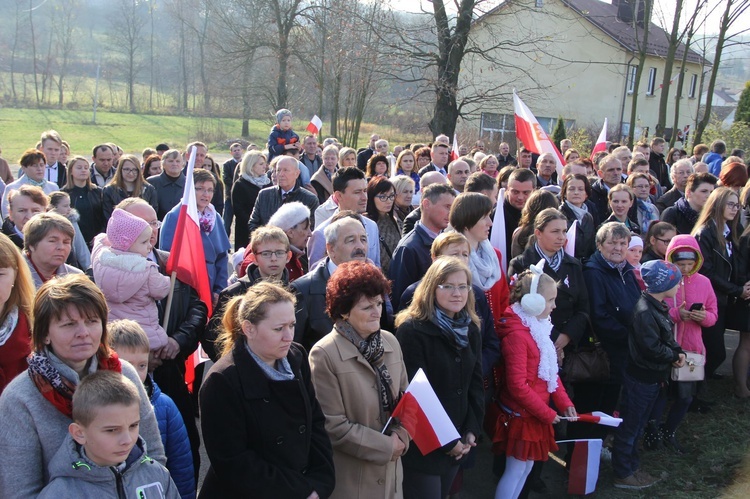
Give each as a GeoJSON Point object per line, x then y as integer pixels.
{"type": "Point", "coordinates": [172, 280]}
{"type": "Point", "coordinates": [386, 424]}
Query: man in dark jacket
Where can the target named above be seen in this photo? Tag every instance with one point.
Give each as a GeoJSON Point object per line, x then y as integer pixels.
{"type": "Point", "coordinates": [440, 155]}
{"type": "Point", "coordinates": [652, 351]}
{"type": "Point", "coordinates": [657, 163]}
{"type": "Point", "coordinates": [228, 176]}
{"type": "Point", "coordinates": [346, 240]}
{"type": "Point", "coordinates": [411, 258]}
{"type": "Point", "coordinates": [504, 157]}
{"type": "Point", "coordinates": [364, 156]}
{"type": "Point", "coordinates": [169, 185]}
{"type": "Point", "coordinates": [271, 198]}
{"type": "Point", "coordinates": [610, 173]}
{"type": "Point", "coordinates": [679, 173]}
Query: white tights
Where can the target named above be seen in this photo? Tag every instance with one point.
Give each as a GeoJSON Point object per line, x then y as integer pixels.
{"type": "Point", "coordinates": [513, 479]}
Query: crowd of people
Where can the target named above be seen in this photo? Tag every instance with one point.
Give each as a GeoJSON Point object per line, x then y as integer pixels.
{"type": "Point", "coordinates": [349, 272]}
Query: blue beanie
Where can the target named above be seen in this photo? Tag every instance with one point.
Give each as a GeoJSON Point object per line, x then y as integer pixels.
{"type": "Point", "coordinates": [281, 113]}
{"type": "Point", "coordinates": [660, 276]}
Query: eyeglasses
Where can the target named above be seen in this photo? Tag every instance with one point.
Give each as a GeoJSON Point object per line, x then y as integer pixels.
{"type": "Point", "coordinates": [129, 170]}
{"type": "Point", "coordinates": [461, 288]}
{"type": "Point", "coordinates": [733, 206]}
{"type": "Point", "coordinates": [201, 190]}
{"type": "Point", "coordinates": [665, 241]}
{"type": "Point", "coordinates": [384, 198]}
{"type": "Point", "coordinates": [269, 254]}
{"type": "Point", "coordinates": [155, 224]}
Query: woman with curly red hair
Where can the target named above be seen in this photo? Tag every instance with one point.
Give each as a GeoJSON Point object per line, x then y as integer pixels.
{"type": "Point", "coordinates": [358, 372]}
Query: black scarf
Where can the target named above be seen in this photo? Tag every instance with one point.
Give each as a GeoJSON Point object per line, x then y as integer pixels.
{"type": "Point", "coordinates": [684, 208]}
{"type": "Point", "coordinates": [456, 329]}
{"type": "Point", "coordinates": [372, 350]}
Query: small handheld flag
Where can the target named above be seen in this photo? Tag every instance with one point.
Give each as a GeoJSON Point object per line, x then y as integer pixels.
{"type": "Point", "coordinates": [601, 142]}
{"type": "Point", "coordinates": [315, 125]}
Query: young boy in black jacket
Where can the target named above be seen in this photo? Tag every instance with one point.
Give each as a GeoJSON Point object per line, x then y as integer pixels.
{"type": "Point", "coordinates": [653, 351]}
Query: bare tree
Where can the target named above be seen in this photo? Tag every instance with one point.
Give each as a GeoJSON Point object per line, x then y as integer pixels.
{"type": "Point", "coordinates": [126, 40]}
{"type": "Point", "coordinates": [733, 11]}
{"type": "Point", "coordinates": [65, 32]}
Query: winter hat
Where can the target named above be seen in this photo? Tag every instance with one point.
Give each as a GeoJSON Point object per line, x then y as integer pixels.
{"type": "Point", "coordinates": [281, 113]}
{"type": "Point", "coordinates": [123, 229]}
{"type": "Point", "coordinates": [660, 276]}
{"type": "Point", "coordinates": [237, 257]}
{"type": "Point", "coordinates": [635, 241]}
{"type": "Point", "coordinates": [289, 215]}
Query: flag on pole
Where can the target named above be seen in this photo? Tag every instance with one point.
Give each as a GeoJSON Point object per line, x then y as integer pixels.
{"type": "Point", "coordinates": [597, 417]}
{"type": "Point", "coordinates": [186, 257]}
{"type": "Point", "coordinates": [497, 236]}
{"type": "Point", "coordinates": [570, 244]}
{"type": "Point", "coordinates": [584, 465]}
{"type": "Point", "coordinates": [601, 142]}
{"type": "Point", "coordinates": [531, 133]}
{"type": "Point", "coordinates": [454, 150]}
{"type": "Point", "coordinates": [315, 125]}
{"type": "Point", "coordinates": [424, 417]}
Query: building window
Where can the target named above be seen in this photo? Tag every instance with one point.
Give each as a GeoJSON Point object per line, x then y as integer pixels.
{"type": "Point", "coordinates": [693, 85]}
{"type": "Point", "coordinates": [498, 127]}
{"type": "Point", "coordinates": [539, 4]}
{"type": "Point", "coordinates": [651, 81]}
{"type": "Point", "coordinates": [632, 73]}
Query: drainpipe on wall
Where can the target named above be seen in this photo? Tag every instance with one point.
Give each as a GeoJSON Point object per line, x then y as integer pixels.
{"type": "Point", "coordinates": [624, 96]}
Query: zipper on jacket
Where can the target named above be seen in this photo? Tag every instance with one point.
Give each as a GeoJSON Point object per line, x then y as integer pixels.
{"type": "Point", "coordinates": [120, 485]}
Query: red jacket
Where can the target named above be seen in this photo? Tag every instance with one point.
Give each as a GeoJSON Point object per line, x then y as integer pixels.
{"type": "Point", "coordinates": [498, 295]}
{"type": "Point", "coordinates": [13, 354]}
{"type": "Point", "coordinates": [520, 388]}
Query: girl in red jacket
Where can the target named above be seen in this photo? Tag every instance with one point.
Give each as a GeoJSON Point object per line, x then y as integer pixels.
{"type": "Point", "coordinates": [523, 430]}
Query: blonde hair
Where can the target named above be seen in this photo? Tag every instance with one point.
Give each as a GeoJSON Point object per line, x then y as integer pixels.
{"type": "Point", "coordinates": [100, 389]}
{"type": "Point", "coordinates": [249, 160]}
{"type": "Point", "coordinates": [69, 184]}
{"type": "Point", "coordinates": [422, 307]}
{"type": "Point", "coordinates": [252, 307]}
{"type": "Point", "coordinates": [713, 211]}
{"type": "Point", "coordinates": [126, 333]}
{"type": "Point", "coordinates": [22, 292]}
{"type": "Point", "coordinates": [445, 239]}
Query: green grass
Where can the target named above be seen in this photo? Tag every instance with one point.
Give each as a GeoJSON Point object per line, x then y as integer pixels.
{"type": "Point", "coordinates": [21, 128]}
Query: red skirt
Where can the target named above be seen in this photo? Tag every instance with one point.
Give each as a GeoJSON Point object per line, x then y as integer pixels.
{"type": "Point", "coordinates": [524, 438]}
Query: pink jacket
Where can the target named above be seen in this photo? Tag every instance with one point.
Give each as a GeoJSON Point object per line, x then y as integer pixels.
{"type": "Point", "coordinates": [694, 288]}
{"type": "Point", "coordinates": [131, 283]}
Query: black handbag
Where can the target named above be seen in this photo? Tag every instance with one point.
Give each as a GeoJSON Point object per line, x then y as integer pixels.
{"type": "Point", "coordinates": [586, 363]}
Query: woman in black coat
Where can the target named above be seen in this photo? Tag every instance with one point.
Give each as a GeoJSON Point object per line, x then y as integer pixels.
{"type": "Point", "coordinates": [128, 182]}
{"type": "Point", "coordinates": [86, 198]}
{"type": "Point", "coordinates": [717, 232]}
{"type": "Point", "coordinates": [245, 191]}
{"type": "Point", "coordinates": [262, 426]}
{"type": "Point", "coordinates": [574, 193]}
{"type": "Point", "coordinates": [439, 333]}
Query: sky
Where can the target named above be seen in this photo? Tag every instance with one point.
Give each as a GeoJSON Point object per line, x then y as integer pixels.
{"type": "Point", "coordinates": [663, 9]}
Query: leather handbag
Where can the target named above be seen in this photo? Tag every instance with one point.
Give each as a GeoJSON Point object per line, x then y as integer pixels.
{"type": "Point", "coordinates": [587, 363]}
{"type": "Point", "coordinates": [693, 370]}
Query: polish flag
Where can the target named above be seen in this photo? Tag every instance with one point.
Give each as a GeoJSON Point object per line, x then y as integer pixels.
{"type": "Point", "coordinates": [423, 416]}
{"type": "Point", "coordinates": [454, 150]}
{"type": "Point", "coordinates": [315, 125]}
{"type": "Point", "coordinates": [584, 466]}
{"type": "Point", "coordinates": [533, 136]}
{"type": "Point", "coordinates": [601, 142]}
{"type": "Point", "coordinates": [497, 236]}
{"type": "Point", "coordinates": [570, 244]}
{"type": "Point", "coordinates": [187, 261]}
{"type": "Point", "coordinates": [598, 417]}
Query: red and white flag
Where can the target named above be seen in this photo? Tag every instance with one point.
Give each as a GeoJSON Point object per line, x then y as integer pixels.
{"type": "Point", "coordinates": [315, 125]}
{"type": "Point", "coordinates": [454, 150]}
{"type": "Point", "coordinates": [533, 136]}
{"type": "Point", "coordinates": [424, 417]}
{"type": "Point", "coordinates": [570, 244]}
{"type": "Point", "coordinates": [597, 417]}
{"type": "Point", "coordinates": [601, 142]}
{"type": "Point", "coordinates": [584, 466]}
{"type": "Point", "coordinates": [498, 239]}
{"type": "Point", "coordinates": [186, 257]}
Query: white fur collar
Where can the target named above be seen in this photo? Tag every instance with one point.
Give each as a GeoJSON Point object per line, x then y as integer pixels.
{"type": "Point", "coordinates": [120, 260]}
{"type": "Point", "coordinates": [540, 331]}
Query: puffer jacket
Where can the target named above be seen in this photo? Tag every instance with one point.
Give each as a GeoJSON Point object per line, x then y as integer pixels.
{"type": "Point", "coordinates": [175, 439]}
{"type": "Point", "coordinates": [651, 345]}
{"type": "Point", "coordinates": [130, 283]}
{"type": "Point", "coordinates": [694, 288]}
{"type": "Point", "coordinates": [521, 390]}
{"type": "Point", "coordinates": [278, 138]}
{"type": "Point", "coordinates": [142, 477]}
{"type": "Point", "coordinates": [612, 299]}
{"type": "Point", "coordinates": [721, 268]}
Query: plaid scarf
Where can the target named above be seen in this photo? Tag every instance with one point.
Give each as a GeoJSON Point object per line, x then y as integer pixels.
{"type": "Point", "coordinates": [58, 390]}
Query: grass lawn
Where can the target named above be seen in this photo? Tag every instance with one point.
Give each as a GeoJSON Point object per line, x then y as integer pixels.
{"type": "Point", "coordinates": [21, 128]}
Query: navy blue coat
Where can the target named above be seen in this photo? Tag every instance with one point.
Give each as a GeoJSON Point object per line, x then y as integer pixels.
{"type": "Point", "coordinates": [174, 437]}
{"type": "Point", "coordinates": [612, 299]}
{"type": "Point", "coordinates": [410, 261]}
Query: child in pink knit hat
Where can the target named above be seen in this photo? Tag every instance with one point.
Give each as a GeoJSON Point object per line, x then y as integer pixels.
{"type": "Point", "coordinates": [130, 282]}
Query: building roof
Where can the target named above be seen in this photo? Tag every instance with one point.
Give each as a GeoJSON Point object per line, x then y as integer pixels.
{"type": "Point", "coordinates": [604, 16]}
{"type": "Point", "coordinates": [725, 94]}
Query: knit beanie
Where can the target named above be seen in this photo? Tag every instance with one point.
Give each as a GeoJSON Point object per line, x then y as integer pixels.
{"type": "Point", "coordinates": [123, 229]}
{"type": "Point", "coordinates": [281, 113]}
{"type": "Point", "coordinates": [660, 276]}
{"type": "Point", "coordinates": [635, 241]}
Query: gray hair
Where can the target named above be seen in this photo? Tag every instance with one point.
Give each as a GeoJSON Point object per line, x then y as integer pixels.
{"type": "Point", "coordinates": [381, 141]}
{"type": "Point", "coordinates": [678, 164]}
{"type": "Point", "coordinates": [331, 232]}
{"type": "Point", "coordinates": [615, 230]}
{"type": "Point", "coordinates": [401, 183]}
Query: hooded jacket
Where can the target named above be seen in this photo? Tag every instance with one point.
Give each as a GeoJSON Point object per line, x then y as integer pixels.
{"type": "Point", "coordinates": [694, 288]}
{"type": "Point", "coordinates": [175, 439]}
{"type": "Point", "coordinates": [130, 283]}
{"type": "Point", "coordinates": [71, 471]}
